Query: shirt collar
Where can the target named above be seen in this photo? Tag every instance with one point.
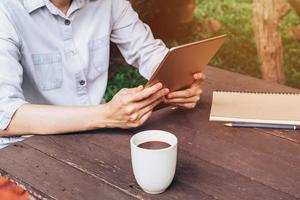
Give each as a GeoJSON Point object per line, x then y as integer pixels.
{"type": "Point", "coordinates": [32, 5]}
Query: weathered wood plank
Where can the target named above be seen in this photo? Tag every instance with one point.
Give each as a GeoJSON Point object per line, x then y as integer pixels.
{"type": "Point", "coordinates": [33, 192]}
{"type": "Point", "coordinates": [107, 156]}
{"type": "Point", "coordinates": [267, 156]}
{"type": "Point", "coordinates": [258, 139]}
{"type": "Point", "coordinates": [265, 164]}
{"type": "Point", "coordinates": [222, 183]}
{"type": "Point", "coordinates": [52, 177]}
{"type": "Point", "coordinates": [194, 175]}
{"type": "Point", "coordinates": [218, 79]}
{"type": "Point", "coordinates": [214, 162]}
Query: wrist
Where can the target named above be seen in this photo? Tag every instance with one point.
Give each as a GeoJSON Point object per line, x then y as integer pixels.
{"type": "Point", "coordinates": [103, 115]}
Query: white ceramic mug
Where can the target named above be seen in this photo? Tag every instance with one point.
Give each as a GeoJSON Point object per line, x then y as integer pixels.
{"type": "Point", "coordinates": [154, 169]}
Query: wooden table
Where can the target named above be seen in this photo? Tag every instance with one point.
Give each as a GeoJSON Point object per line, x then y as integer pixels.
{"type": "Point", "coordinates": [214, 162]}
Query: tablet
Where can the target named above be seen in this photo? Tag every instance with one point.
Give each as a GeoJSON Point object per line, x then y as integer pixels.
{"type": "Point", "coordinates": [177, 68]}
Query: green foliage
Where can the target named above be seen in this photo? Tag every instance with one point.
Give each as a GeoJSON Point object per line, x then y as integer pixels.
{"type": "Point", "coordinates": [291, 51]}
{"type": "Point", "coordinates": [239, 52]}
{"type": "Point", "coordinates": [125, 77]}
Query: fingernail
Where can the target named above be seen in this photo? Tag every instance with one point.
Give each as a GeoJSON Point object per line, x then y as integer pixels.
{"type": "Point", "coordinates": [159, 84]}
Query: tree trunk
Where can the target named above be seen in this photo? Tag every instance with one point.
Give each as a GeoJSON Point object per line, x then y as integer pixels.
{"type": "Point", "coordinates": [296, 5]}
{"type": "Point", "coordinates": [267, 15]}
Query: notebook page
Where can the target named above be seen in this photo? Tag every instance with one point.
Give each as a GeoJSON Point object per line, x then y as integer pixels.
{"type": "Point", "coordinates": [268, 108]}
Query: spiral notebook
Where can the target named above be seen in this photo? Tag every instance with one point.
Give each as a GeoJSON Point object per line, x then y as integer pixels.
{"type": "Point", "coordinates": [266, 108]}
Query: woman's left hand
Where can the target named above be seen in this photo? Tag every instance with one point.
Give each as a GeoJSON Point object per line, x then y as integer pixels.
{"type": "Point", "coordinates": [188, 98]}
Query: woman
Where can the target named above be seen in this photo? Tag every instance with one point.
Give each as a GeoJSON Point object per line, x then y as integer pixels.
{"type": "Point", "coordinates": [54, 58]}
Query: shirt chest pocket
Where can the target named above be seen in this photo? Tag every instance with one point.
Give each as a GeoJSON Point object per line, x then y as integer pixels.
{"type": "Point", "coordinates": [98, 57]}
{"type": "Point", "coordinates": [48, 70]}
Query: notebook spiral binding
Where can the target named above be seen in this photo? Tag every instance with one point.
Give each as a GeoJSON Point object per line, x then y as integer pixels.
{"type": "Point", "coordinates": [259, 93]}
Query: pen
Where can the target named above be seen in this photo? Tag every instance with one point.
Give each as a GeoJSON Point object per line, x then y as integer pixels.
{"type": "Point", "coordinates": [271, 126]}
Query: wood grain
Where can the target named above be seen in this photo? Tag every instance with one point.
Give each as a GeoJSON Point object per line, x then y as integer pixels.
{"type": "Point", "coordinates": [266, 156]}
{"type": "Point", "coordinates": [52, 177]}
{"type": "Point", "coordinates": [214, 162]}
{"type": "Point", "coordinates": [199, 177]}
{"type": "Point", "coordinates": [106, 154]}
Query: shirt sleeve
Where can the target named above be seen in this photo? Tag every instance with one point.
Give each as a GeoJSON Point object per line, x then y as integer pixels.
{"type": "Point", "coordinates": [11, 72]}
{"type": "Point", "coordinates": [135, 39]}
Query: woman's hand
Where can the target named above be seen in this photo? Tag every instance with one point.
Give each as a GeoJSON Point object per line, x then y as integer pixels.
{"type": "Point", "coordinates": [132, 107]}
{"type": "Point", "coordinates": [188, 98]}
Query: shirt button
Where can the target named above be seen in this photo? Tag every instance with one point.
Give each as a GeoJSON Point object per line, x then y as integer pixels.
{"type": "Point", "coordinates": [67, 22]}
{"type": "Point", "coordinates": [73, 52]}
{"type": "Point", "coordinates": [82, 82]}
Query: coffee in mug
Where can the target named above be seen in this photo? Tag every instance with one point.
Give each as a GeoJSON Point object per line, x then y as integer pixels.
{"type": "Point", "coordinates": [154, 145]}
{"type": "Point", "coordinates": [153, 157]}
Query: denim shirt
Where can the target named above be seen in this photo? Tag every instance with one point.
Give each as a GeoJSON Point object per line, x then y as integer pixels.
{"type": "Point", "coordinates": [48, 57]}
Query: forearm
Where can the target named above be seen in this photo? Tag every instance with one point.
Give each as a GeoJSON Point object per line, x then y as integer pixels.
{"type": "Point", "coordinates": [44, 119]}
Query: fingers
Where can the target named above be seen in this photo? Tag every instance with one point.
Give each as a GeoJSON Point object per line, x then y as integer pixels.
{"type": "Point", "coordinates": [186, 99]}
{"type": "Point", "coordinates": [140, 112]}
{"type": "Point", "coordinates": [144, 118]}
{"type": "Point", "coordinates": [139, 118]}
{"type": "Point", "coordinates": [157, 96]}
{"type": "Point", "coordinates": [194, 90]}
{"type": "Point", "coordinates": [193, 99]}
{"type": "Point", "coordinates": [149, 108]}
{"type": "Point", "coordinates": [147, 92]}
{"type": "Point", "coordinates": [180, 94]}
{"type": "Point", "coordinates": [137, 89]}
{"type": "Point", "coordinates": [199, 76]}
{"type": "Point", "coordinates": [132, 90]}
{"type": "Point", "coordinates": [196, 85]}
{"type": "Point", "coordinates": [185, 105]}
{"type": "Point", "coordinates": [141, 121]}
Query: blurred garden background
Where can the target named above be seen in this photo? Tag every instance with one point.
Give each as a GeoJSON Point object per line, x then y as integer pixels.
{"type": "Point", "coordinates": [182, 21]}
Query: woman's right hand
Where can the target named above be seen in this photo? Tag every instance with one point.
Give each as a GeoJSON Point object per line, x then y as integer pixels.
{"type": "Point", "coordinates": [130, 108]}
